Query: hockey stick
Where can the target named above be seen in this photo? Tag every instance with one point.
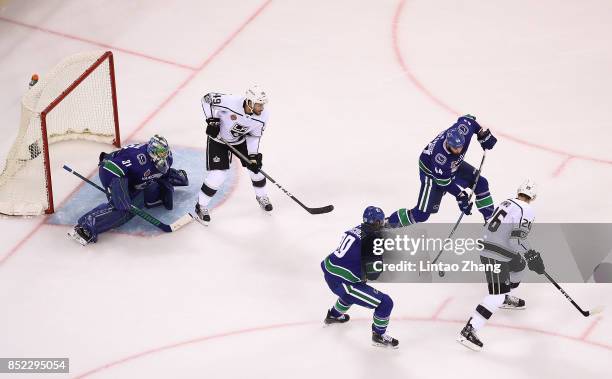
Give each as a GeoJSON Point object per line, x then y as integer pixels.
{"type": "Point", "coordinates": [584, 313]}
{"type": "Point", "coordinates": [484, 155]}
{"type": "Point", "coordinates": [314, 211]}
{"type": "Point", "coordinates": [184, 220]}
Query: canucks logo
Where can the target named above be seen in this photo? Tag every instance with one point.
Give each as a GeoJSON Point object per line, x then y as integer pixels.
{"type": "Point", "coordinates": [238, 130]}
{"type": "Point", "coordinates": [440, 159]}
{"type": "Point", "coordinates": [463, 129]}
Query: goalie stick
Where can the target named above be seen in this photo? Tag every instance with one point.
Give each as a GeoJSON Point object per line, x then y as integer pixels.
{"type": "Point", "coordinates": [584, 313]}
{"type": "Point", "coordinates": [184, 220]}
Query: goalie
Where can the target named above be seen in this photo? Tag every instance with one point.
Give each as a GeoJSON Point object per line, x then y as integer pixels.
{"type": "Point", "coordinates": [139, 175]}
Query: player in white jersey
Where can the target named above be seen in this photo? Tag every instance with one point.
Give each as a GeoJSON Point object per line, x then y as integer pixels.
{"type": "Point", "coordinates": [505, 247]}
{"type": "Point", "coordinates": [240, 121]}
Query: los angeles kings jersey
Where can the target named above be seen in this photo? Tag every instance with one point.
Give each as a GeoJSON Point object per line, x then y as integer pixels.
{"type": "Point", "coordinates": [236, 125]}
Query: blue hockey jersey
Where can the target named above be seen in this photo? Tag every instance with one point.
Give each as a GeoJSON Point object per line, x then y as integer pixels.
{"type": "Point", "coordinates": [439, 163]}
{"type": "Point", "coordinates": [132, 162]}
{"type": "Point", "coordinates": [345, 261]}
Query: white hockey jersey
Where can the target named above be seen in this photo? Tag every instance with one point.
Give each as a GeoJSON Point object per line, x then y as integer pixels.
{"type": "Point", "coordinates": [507, 230]}
{"type": "Point", "coordinates": [236, 125]}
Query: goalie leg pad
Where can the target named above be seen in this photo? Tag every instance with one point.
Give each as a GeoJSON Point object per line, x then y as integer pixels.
{"type": "Point", "coordinates": [103, 218]}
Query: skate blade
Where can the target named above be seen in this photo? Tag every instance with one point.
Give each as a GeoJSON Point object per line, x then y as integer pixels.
{"type": "Point", "coordinates": [468, 344]}
{"type": "Point", "coordinates": [514, 308]}
{"type": "Point", "coordinates": [200, 221]}
{"type": "Point", "coordinates": [382, 345]}
{"type": "Point", "coordinates": [73, 236]}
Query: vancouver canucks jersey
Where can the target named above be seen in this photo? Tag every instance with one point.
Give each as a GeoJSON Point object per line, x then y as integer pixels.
{"type": "Point", "coordinates": [507, 230]}
{"type": "Point", "coordinates": [439, 163]}
{"type": "Point", "coordinates": [345, 261]}
{"type": "Point", "coordinates": [236, 125]}
{"type": "Point", "coordinates": [132, 162]}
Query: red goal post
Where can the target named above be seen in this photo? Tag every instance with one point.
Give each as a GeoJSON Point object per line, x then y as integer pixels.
{"type": "Point", "coordinates": [77, 99]}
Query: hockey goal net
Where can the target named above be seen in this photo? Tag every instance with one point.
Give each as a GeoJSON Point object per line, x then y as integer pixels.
{"type": "Point", "coordinates": [75, 100]}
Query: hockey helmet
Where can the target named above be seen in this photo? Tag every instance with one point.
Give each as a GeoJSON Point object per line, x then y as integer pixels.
{"type": "Point", "coordinates": [373, 215]}
{"type": "Point", "coordinates": [528, 188]}
{"type": "Point", "coordinates": [454, 138]}
{"type": "Point", "coordinates": [256, 95]}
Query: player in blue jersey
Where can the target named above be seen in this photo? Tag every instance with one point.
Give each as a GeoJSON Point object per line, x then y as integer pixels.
{"type": "Point", "coordinates": [139, 175]}
{"type": "Point", "coordinates": [346, 271]}
{"type": "Point", "coordinates": [442, 169]}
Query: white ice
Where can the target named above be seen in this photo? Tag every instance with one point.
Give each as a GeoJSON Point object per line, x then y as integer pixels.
{"type": "Point", "coordinates": [357, 88]}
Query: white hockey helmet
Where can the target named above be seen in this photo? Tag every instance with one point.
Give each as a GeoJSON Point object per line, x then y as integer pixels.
{"type": "Point", "coordinates": [528, 188]}
{"type": "Point", "coordinates": [256, 95]}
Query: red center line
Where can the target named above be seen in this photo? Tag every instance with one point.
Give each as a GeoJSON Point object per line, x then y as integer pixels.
{"type": "Point", "coordinates": [149, 117]}
{"type": "Point", "coordinates": [415, 81]}
{"type": "Point", "coordinates": [96, 43]}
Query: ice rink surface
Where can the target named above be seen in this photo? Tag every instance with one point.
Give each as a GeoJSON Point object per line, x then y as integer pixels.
{"type": "Point", "coordinates": [357, 89]}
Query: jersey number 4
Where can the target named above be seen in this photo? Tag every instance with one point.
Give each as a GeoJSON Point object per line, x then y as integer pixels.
{"type": "Point", "coordinates": [344, 246]}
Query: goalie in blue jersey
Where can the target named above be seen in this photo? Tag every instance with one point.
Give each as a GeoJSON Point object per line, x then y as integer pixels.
{"type": "Point", "coordinates": [139, 175]}
{"type": "Point", "coordinates": [347, 270]}
{"type": "Point", "coordinates": [442, 169]}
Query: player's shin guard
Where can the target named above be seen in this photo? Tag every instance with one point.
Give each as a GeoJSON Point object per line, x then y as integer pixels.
{"type": "Point", "coordinates": [259, 184]}
{"type": "Point", "coordinates": [339, 308]}
{"type": "Point", "coordinates": [486, 309]}
{"type": "Point", "coordinates": [484, 201]}
{"type": "Point", "coordinates": [404, 217]}
{"type": "Point", "coordinates": [211, 184]}
{"type": "Point", "coordinates": [380, 320]}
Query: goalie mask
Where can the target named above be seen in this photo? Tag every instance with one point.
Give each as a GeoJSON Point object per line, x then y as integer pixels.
{"type": "Point", "coordinates": [159, 151]}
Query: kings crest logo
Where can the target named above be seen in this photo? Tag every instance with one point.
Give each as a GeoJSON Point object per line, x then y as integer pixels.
{"type": "Point", "coordinates": [238, 130]}
{"type": "Point", "coordinates": [463, 129]}
{"type": "Point", "coordinates": [440, 159]}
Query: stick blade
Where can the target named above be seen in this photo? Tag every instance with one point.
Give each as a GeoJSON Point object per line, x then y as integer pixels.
{"type": "Point", "coordinates": [596, 310]}
{"type": "Point", "coordinates": [321, 210]}
{"type": "Point", "coordinates": [186, 219]}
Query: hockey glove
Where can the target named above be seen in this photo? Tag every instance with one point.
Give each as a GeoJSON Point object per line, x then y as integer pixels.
{"type": "Point", "coordinates": [177, 178]}
{"type": "Point", "coordinates": [213, 126]}
{"type": "Point", "coordinates": [463, 200]}
{"type": "Point", "coordinates": [534, 261]}
{"type": "Point", "coordinates": [517, 263]}
{"type": "Point", "coordinates": [486, 139]}
{"type": "Point", "coordinates": [254, 162]}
